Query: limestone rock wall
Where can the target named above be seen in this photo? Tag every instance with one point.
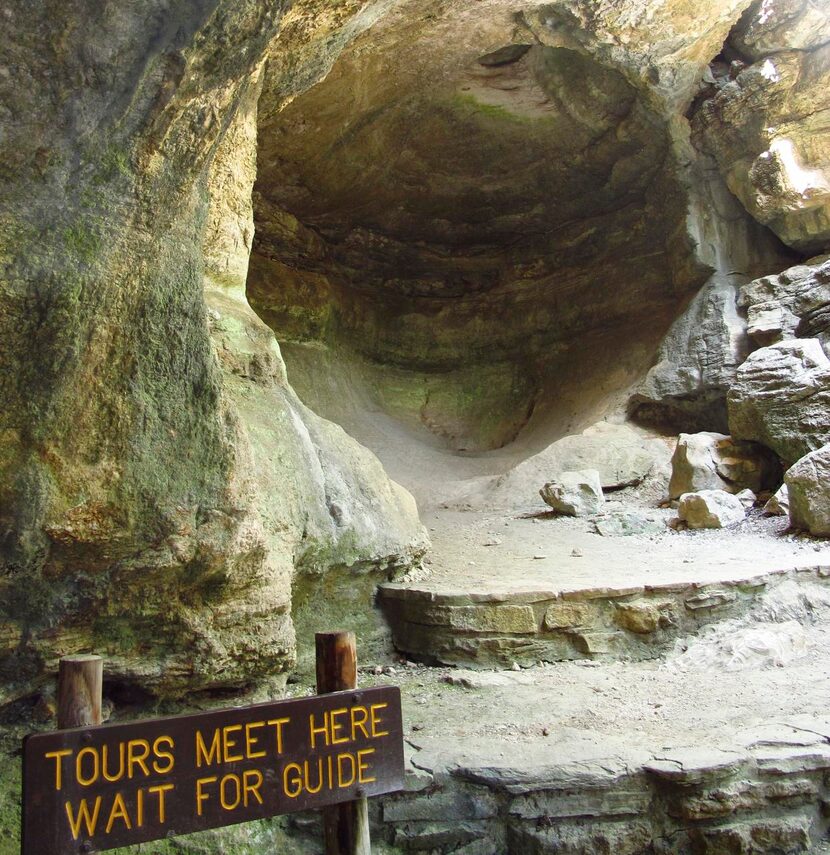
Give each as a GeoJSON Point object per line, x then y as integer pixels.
{"type": "Point", "coordinates": [492, 200]}
{"type": "Point", "coordinates": [159, 484]}
{"type": "Point", "coordinates": [509, 205]}
{"type": "Point", "coordinates": [766, 123]}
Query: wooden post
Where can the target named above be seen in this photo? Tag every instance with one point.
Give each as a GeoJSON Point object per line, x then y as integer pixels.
{"type": "Point", "coordinates": [345, 826]}
{"type": "Point", "coordinates": [80, 686]}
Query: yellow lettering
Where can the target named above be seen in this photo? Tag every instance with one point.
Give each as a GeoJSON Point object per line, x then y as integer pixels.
{"type": "Point", "coordinates": [139, 810]}
{"type": "Point", "coordinates": [364, 767]}
{"type": "Point", "coordinates": [163, 755]}
{"type": "Point", "coordinates": [278, 723]}
{"type": "Point", "coordinates": [228, 743]}
{"type": "Point", "coordinates": [108, 775]}
{"type": "Point", "coordinates": [161, 789]}
{"type": "Point", "coordinates": [294, 787]}
{"type": "Point", "coordinates": [209, 757]}
{"type": "Point", "coordinates": [336, 726]}
{"type": "Point", "coordinates": [252, 788]}
{"type": "Point", "coordinates": [307, 768]}
{"type": "Point", "coordinates": [200, 796]}
{"type": "Point", "coordinates": [138, 750]}
{"type": "Point", "coordinates": [227, 803]}
{"type": "Point", "coordinates": [90, 820]}
{"type": "Point", "coordinates": [252, 741]}
{"type": "Point", "coordinates": [58, 755]}
{"type": "Point", "coordinates": [361, 724]}
{"type": "Point", "coordinates": [118, 811]}
{"type": "Point", "coordinates": [340, 781]}
{"type": "Point", "coordinates": [87, 780]}
{"type": "Point", "coordinates": [376, 720]}
{"type": "Point", "coordinates": [314, 731]}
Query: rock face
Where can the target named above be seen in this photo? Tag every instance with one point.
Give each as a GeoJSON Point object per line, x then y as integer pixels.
{"type": "Point", "coordinates": [710, 509]}
{"type": "Point", "coordinates": [767, 127]}
{"type": "Point", "coordinates": [508, 209]}
{"type": "Point", "coordinates": [575, 494]}
{"type": "Point", "coordinates": [622, 455]}
{"type": "Point", "coordinates": [808, 489]}
{"type": "Point", "coordinates": [476, 258]}
{"type": "Point", "coordinates": [793, 304]}
{"type": "Point", "coordinates": [713, 461]}
{"type": "Point", "coordinates": [159, 482]}
{"type": "Point", "coordinates": [781, 398]}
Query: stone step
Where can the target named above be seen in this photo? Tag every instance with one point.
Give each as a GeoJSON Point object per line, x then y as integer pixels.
{"type": "Point", "coordinates": [624, 758]}
{"type": "Point", "coordinates": [489, 625]}
{"type": "Point", "coordinates": [764, 792]}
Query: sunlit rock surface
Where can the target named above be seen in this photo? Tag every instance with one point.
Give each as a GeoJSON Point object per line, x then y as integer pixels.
{"type": "Point", "coordinates": [767, 122]}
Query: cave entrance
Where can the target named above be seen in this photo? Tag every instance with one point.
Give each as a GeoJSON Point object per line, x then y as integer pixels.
{"type": "Point", "coordinates": [470, 254]}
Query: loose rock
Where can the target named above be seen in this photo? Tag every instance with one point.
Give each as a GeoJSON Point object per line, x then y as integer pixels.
{"type": "Point", "coordinates": [779, 503]}
{"type": "Point", "coordinates": [575, 494]}
{"type": "Point", "coordinates": [808, 486]}
{"type": "Point", "coordinates": [710, 509]}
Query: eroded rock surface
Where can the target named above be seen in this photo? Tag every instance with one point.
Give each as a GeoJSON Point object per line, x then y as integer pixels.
{"type": "Point", "coordinates": [793, 304]}
{"type": "Point", "coordinates": [808, 491]}
{"type": "Point", "coordinates": [767, 125]}
{"type": "Point", "coordinates": [159, 482]}
{"type": "Point", "coordinates": [713, 461]}
{"type": "Point", "coordinates": [455, 196]}
{"type": "Point", "coordinates": [781, 398]}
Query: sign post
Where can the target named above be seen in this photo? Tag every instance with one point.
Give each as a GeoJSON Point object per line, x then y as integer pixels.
{"type": "Point", "coordinates": [345, 825]}
{"type": "Point", "coordinates": [80, 689]}
{"type": "Point", "coordinates": [94, 788]}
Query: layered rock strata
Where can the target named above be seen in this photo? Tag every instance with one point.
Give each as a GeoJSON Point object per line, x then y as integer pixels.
{"type": "Point", "coordinates": [159, 483]}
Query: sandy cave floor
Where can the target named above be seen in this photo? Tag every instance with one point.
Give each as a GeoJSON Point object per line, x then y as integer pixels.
{"type": "Point", "coordinates": [509, 551]}
{"type": "Point", "coordinates": [499, 552]}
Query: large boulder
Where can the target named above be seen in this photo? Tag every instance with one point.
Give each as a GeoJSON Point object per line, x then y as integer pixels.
{"type": "Point", "coordinates": [766, 125]}
{"type": "Point", "coordinates": [808, 486]}
{"type": "Point", "coordinates": [575, 494]}
{"type": "Point", "coordinates": [710, 509]}
{"type": "Point", "coordinates": [781, 398]}
{"type": "Point", "coordinates": [795, 303]}
{"type": "Point", "coordinates": [713, 461]}
{"type": "Point", "coordinates": [622, 455]}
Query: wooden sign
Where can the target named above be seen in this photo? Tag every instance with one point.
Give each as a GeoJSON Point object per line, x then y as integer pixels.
{"type": "Point", "coordinates": [91, 789]}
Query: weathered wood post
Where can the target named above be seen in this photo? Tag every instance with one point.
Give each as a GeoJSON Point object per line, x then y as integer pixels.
{"type": "Point", "coordinates": [80, 687]}
{"type": "Point", "coordinates": [345, 826]}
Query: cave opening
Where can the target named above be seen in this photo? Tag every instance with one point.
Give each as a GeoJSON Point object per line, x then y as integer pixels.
{"type": "Point", "coordinates": [484, 255]}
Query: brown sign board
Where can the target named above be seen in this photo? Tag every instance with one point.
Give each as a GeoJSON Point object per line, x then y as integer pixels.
{"type": "Point", "coordinates": [92, 789]}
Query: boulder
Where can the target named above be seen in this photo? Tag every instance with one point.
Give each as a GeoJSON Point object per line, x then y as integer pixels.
{"type": "Point", "coordinates": [575, 494]}
{"type": "Point", "coordinates": [781, 398]}
{"type": "Point", "coordinates": [795, 303]}
{"type": "Point", "coordinates": [808, 485]}
{"type": "Point", "coordinates": [710, 509]}
{"type": "Point", "coordinates": [623, 455]}
{"type": "Point", "coordinates": [779, 503]}
{"type": "Point", "coordinates": [714, 461]}
{"type": "Point", "coordinates": [747, 498]}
